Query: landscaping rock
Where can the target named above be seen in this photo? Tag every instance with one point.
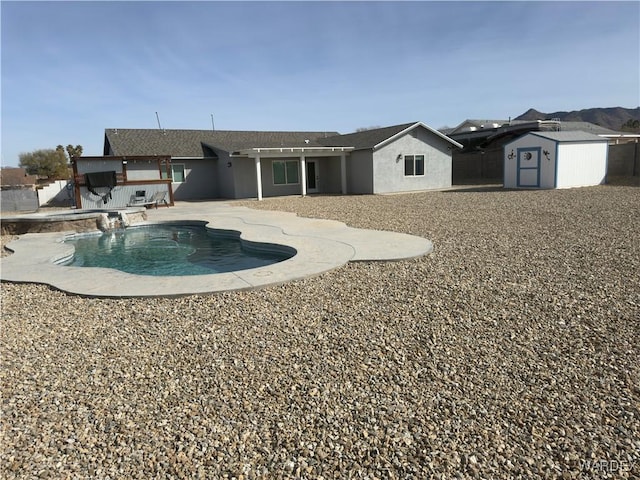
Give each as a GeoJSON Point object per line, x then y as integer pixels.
{"type": "Point", "coordinates": [510, 352]}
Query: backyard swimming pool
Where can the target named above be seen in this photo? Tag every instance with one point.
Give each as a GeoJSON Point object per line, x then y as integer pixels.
{"type": "Point", "coordinates": [172, 250]}
{"type": "Point", "coordinates": [312, 246]}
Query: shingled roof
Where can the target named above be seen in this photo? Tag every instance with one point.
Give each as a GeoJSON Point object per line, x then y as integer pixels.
{"type": "Point", "coordinates": [16, 176]}
{"type": "Point", "coordinates": [586, 127]}
{"type": "Point", "coordinates": [365, 138]}
{"type": "Point", "coordinates": [202, 143]}
{"type": "Point", "coordinates": [205, 143]}
{"type": "Point", "coordinates": [376, 136]}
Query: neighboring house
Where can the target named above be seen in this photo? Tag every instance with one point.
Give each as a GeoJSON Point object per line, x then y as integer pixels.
{"type": "Point", "coordinates": [555, 160]}
{"type": "Point", "coordinates": [486, 134]}
{"type": "Point", "coordinates": [471, 125]}
{"type": "Point", "coordinates": [12, 176]}
{"type": "Point", "coordinates": [477, 135]}
{"type": "Point", "coordinates": [18, 190]}
{"type": "Point", "coordinates": [207, 164]}
{"type": "Point", "coordinates": [612, 136]}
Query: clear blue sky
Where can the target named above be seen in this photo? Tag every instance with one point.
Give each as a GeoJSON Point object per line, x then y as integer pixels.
{"type": "Point", "coordinates": [72, 69]}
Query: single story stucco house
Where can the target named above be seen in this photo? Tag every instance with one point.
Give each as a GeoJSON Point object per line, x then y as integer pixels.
{"type": "Point", "coordinates": [210, 164]}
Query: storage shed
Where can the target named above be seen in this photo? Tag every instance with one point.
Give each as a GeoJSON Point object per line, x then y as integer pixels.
{"type": "Point", "coordinates": [555, 160]}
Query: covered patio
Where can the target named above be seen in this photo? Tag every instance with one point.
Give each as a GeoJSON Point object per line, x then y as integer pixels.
{"type": "Point", "coordinates": [304, 173]}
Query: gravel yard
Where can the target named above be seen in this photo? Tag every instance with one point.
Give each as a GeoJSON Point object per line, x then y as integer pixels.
{"type": "Point", "coordinates": [512, 351]}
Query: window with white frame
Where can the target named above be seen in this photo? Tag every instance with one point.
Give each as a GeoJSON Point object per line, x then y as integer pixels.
{"type": "Point", "coordinates": [177, 172]}
{"type": "Point", "coordinates": [413, 165]}
{"type": "Point", "coordinates": [285, 172]}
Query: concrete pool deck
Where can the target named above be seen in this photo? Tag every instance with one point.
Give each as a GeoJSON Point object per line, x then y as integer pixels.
{"type": "Point", "coordinates": [321, 245]}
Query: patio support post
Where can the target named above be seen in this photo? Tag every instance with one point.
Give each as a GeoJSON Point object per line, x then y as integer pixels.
{"type": "Point", "coordinates": [303, 174]}
{"type": "Point", "coordinates": [258, 177]}
{"type": "Point", "coordinates": [343, 172]}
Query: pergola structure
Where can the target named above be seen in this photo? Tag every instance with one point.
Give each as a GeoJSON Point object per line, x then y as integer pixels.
{"type": "Point", "coordinates": [121, 164]}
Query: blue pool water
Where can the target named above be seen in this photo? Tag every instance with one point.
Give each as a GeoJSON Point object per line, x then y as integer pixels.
{"type": "Point", "coordinates": [171, 250]}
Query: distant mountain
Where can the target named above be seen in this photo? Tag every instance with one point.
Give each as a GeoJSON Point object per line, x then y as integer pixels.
{"type": "Point", "coordinates": [612, 118]}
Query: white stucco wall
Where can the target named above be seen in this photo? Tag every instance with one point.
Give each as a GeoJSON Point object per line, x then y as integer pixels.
{"type": "Point", "coordinates": [56, 191]}
{"type": "Point", "coordinates": [388, 163]}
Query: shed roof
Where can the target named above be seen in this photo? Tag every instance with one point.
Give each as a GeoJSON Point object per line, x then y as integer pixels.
{"type": "Point", "coordinates": [201, 143]}
{"type": "Point", "coordinates": [570, 136]}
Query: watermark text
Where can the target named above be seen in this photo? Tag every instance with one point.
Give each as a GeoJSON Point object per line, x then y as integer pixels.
{"type": "Point", "coordinates": [608, 465]}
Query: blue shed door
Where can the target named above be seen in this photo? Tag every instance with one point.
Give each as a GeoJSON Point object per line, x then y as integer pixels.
{"type": "Point", "coordinates": [529, 167]}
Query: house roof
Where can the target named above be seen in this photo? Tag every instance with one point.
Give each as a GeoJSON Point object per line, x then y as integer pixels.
{"type": "Point", "coordinates": [487, 127]}
{"type": "Point", "coordinates": [377, 137]}
{"type": "Point", "coordinates": [205, 143]}
{"type": "Point", "coordinates": [466, 125]}
{"type": "Point", "coordinates": [16, 176]}
{"type": "Point", "coordinates": [201, 143]}
{"type": "Point", "coordinates": [587, 127]}
{"type": "Point", "coordinates": [365, 138]}
{"type": "Point", "coordinates": [570, 136]}
{"type": "Point", "coordinates": [489, 138]}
